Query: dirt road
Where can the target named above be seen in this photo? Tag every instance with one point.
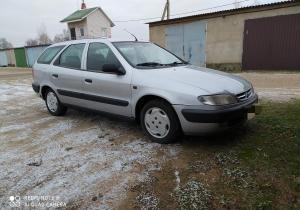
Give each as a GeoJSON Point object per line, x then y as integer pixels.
{"type": "Point", "coordinates": [89, 161]}
{"type": "Point", "coordinates": [275, 86]}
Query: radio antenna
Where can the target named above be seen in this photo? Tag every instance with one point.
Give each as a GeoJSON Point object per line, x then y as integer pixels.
{"type": "Point", "coordinates": [136, 40]}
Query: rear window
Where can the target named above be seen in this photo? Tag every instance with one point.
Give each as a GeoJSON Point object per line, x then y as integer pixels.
{"type": "Point", "coordinates": [71, 57]}
{"type": "Point", "coordinates": [49, 54]}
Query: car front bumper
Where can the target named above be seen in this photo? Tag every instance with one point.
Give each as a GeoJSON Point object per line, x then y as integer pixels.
{"type": "Point", "coordinates": [204, 119]}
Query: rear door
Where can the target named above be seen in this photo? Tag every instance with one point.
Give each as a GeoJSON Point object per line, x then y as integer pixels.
{"type": "Point", "coordinates": [106, 92]}
{"type": "Point", "coordinates": [66, 74]}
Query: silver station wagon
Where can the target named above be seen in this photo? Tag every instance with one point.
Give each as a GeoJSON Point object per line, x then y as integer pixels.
{"type": "Point", "coordinates": [141, 81]}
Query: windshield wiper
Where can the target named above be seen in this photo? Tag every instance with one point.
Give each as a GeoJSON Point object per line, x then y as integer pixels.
{"type": "Point", "coordinates": [149, 64]}
{"type": "Point", "coordinates": [176, 63]}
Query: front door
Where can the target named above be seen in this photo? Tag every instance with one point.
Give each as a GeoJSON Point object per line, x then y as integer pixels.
{"type": "Point", "coordinates": [106, 92]}
{"type": "Point", "coordinates": [73, 33]}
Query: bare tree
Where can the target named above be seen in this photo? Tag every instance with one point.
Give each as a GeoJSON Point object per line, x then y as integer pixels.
{"type": "Point", "coordinates": [64, 36]}
{"type": "Point", "coordinates": [58, 38]}
{"type": "Point", "coordinates": [4, 44]}
{"type": "Point", "coordinates": [43, 37]}
{"type": "Point", "coordinates": [32, 42]}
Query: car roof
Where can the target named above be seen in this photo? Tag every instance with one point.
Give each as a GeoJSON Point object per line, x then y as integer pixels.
{"type": "Point", "coordinates": [103, 40]}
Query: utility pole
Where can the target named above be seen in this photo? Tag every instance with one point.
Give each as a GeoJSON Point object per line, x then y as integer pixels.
{"type": "Point", "coordinates": [166, 11]}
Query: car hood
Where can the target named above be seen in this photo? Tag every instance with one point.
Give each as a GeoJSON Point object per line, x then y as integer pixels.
{"type": "Point", "coordinates": [210, 81]}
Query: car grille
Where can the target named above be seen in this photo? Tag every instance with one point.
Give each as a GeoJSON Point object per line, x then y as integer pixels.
{"type": "Point", "coordinates": [244, 95]}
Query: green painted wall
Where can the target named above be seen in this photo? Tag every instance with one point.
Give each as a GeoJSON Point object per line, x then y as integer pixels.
{"type": "Point", "coordinates": [20, 57]}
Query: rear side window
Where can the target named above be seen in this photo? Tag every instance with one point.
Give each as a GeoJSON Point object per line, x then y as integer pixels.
{"type": "Point", "coordinates": [49, 54]}
{"type": "Point", "coordinates": [100, 54]}
{"type": "Point", "coordinates": [71, 57]}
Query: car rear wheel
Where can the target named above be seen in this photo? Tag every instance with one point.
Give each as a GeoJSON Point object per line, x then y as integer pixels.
{"type": "Point", "coordinates": [160, 122]}
{"type": "Point", "coordinates": [53, 104]}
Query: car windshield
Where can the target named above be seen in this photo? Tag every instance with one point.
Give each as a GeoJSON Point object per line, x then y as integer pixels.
{"type": "Point", "coordinates": [147, 55]}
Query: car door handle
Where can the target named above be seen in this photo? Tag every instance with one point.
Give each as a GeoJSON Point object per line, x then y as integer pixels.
{"type": "Point", "coordinates": [55, 75]}
{"type": "Point", "coordinates": [88, 81]}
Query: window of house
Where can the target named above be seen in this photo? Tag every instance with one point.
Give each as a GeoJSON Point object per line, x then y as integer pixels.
{"type": "Point", "coordinates": [100, 54]}
{"type": "Point", "coordinates": [71, 57]}
{"type": "Point", "coordinates": [49, 54]}
{"type": "Point", "coordinates": [81, 31]}
{"type": "Point", "coordinates": [104, 32]}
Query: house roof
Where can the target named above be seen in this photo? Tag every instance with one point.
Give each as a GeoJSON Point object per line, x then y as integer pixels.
{"type": "Point", "coordinates": [247, 9]}
{"type": "Point", "coordinates": [79, 15]}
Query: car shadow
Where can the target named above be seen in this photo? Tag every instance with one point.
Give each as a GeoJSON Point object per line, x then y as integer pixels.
{"type": "Point", "coordinates": [226, 138]}
{"type": "Point", "coordinates": [230, 137]}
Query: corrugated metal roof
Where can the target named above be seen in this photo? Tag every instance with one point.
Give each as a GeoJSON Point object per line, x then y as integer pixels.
{"type": "Point", "coordinates": [41, 45]}
{"type": "Point", "coordinates": [246, 9]}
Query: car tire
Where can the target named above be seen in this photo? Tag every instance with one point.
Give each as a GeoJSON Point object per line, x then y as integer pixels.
{"type": "Point", "coordinates": [53, 104]}
{"type": "Point", "coordinates": [160, 122]}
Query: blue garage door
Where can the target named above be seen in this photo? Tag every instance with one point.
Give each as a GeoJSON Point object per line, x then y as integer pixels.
{"type": "Point", "coordinates": [33, 53]}
{"type": "Point", "coordinates": [188, 41]}
{"type": "Point", "coordinates": [174, 40]}
{"type": "Point", "coordinates": [3, 59]}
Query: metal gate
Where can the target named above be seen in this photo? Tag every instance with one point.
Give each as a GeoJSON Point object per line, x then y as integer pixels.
{"type": "Point", "coordinates": [272, 43]}
{"type": "Point", "coordinates": [188, 41]}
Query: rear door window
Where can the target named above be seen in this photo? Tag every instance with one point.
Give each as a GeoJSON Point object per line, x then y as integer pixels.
{"type": "Point", "coordinates": [71, 57]}
{"type": "Point", "coordinates": [48, 55]}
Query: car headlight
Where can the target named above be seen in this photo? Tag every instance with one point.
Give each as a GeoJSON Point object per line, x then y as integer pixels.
{"type": "Point", "coordinates": [220, 99]}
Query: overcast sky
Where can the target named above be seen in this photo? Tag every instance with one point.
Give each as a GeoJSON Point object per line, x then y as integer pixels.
{"type": "Point", "coordinates": [20, 20]}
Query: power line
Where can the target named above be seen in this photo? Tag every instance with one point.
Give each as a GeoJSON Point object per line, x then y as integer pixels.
{"type": "Point", "coordinates": [183, 13]}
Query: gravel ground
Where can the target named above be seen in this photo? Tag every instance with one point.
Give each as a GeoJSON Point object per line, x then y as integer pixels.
{"type": "Point", "coordinates": [89, 161]}
{"type": "Point", "coordinates": [86, 160]}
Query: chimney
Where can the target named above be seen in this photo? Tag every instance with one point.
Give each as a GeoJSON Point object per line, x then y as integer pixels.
{"type": "Point", "coordinates": [83, 5]}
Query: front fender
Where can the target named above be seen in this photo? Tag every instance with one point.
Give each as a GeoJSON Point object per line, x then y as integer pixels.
{"type": "Point", "coordinates": [174, 98]}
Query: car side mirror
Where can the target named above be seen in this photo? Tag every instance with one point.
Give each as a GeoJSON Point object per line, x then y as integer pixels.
{"type": "Point", "coordinates": [113, 68]}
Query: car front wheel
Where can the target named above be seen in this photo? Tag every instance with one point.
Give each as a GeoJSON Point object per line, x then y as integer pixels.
{"type": "Point", "coordinates": [53, 104]}
{"type": "Point", "coordinates": [160, 122]}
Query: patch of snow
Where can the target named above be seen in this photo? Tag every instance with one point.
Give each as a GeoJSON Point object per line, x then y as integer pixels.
{"type": "Point", "coordinates": [177, 180]}
{"type": "Point", "coordinates": [12, 128]}
{"type": "Point", "coordinates": [45, 155]}
{"type": "Point", "coordinates": [9, 91]}
{"type": "Point", "coordinates": [56, 128]}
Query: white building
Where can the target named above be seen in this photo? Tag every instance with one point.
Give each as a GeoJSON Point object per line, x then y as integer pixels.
{"type": "Point", "coordinates": [89, 23]}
